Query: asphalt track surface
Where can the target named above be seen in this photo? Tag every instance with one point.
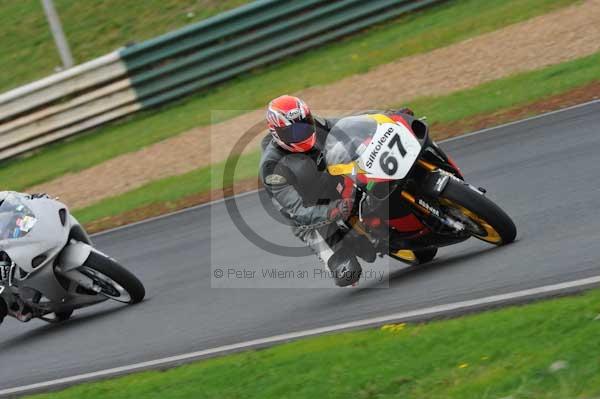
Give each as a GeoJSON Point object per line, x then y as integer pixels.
{"type": "Point", "coordinates": [544, 172]}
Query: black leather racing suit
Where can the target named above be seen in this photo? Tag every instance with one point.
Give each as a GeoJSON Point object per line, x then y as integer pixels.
{"type": "Point", "coordinates": [302, 191]}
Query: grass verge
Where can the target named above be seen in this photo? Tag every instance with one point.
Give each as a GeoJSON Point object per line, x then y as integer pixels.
{"type": "Point", "coordinates": [419, 32]}
{"type": "Point", "coordinates": [517, 90]}
{"type": "Point", "coordinates": [520, 92]}
{"type": "Point", "coordinates": [543, 350]}
{"type": "Point", "coordinates": [170, 190]}
{"type": "Point", "coordinates": [93, 28]}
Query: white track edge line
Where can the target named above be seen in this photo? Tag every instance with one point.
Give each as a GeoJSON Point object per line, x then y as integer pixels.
{"type": "Point", "coordinates": [240, 195]}
{"type": "Point", "coordinates": [395, 317]}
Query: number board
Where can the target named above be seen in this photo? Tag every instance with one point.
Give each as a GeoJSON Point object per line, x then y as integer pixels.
{"type": "Point", "coordinates": [391, 153]}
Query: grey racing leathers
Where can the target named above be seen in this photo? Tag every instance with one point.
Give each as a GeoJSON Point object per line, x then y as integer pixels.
{"type": "Point", "coordinates": [302, 191]}
{"type": "Point", "coordinates": [283, 173]}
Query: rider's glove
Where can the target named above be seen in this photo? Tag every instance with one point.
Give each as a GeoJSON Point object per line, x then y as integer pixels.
{"type": "Point", "coordinates": [340, 209]}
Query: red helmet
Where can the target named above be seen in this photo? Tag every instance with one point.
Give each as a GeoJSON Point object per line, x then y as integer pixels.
{"type": "Point", "coordinates": [291, 124]}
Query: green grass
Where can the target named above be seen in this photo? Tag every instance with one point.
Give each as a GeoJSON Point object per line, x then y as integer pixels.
{"type": "Point", "coordinates": [513, 91]}
{"type": "Point", "coordinates": [169, 189]}
{"type": "Point", "coordinates": [417, 33]}
{"type": "Point", "coordinates": [93, 28]}
{"type": "Point", "coordinates": [496, 354]}
{"type": "Point", "coordinates": [500, 94]}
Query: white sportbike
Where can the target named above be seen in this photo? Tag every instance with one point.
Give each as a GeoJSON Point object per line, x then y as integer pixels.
{"type": "Point", "coordinates": [48, 265]}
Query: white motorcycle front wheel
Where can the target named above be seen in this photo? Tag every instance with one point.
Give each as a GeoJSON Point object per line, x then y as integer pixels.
{"type": "Point", "coordinates": [114, 280]}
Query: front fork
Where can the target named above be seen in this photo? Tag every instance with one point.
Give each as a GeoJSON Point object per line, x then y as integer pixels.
{"type": "Point", "coordinates": [17, 308]}
{"type": "Point", "coordinates": [434, 184]}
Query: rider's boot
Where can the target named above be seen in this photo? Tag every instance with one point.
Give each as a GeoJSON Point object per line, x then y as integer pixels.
{"type": "Point", "coordinates": [361, 247]}
{"type": "Point", "coordinates": [341, 262]}
{"type": "Point", "coordinates": [344, 267]}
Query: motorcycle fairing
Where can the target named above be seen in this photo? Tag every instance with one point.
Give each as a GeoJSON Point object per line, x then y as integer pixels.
{"type": "Point", "coordinates": [391, 152]}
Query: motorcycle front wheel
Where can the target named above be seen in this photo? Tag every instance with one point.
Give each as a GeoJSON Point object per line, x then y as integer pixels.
{"type": "Point", "coordinates": [114, 280]}
{"type": "Point", "coordinates": [482, 217]}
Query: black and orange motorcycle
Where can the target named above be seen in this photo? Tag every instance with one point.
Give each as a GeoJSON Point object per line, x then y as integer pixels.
{"type": "Point", "coordinates": [410, 197]}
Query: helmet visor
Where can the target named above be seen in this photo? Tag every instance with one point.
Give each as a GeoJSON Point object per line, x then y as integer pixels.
{"type": "Point", "coordinates": [296, 132]}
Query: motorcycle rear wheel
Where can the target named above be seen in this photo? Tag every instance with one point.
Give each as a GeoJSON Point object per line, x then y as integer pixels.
{"type": "Point", "coordinates": [484, 219]}
{"type": "Point", "coordinates": [117, 283]}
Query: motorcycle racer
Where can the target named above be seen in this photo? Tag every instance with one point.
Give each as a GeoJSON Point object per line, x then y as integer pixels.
{"type": "Point", "coordinates": [48, 264]}
{"type": "Point", "coordinates": [12, 228]}
{"type": "Point", "coordinates": [293, 172]}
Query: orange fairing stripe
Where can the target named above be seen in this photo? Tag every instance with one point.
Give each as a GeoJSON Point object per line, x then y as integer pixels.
{"type": "Point", "coordinates": [400, 120]}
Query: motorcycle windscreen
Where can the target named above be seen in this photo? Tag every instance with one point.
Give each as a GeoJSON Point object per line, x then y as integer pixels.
{"type": "Point", "coordinates": [348, 138]}
{"type": "Point", "coordinates": [381, 147]}
{"type": "Point", "coordinates": [16, 219]}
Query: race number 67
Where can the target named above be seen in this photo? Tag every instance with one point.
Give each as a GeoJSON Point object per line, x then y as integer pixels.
{"type": "Point", "coordinates": [389, 163]}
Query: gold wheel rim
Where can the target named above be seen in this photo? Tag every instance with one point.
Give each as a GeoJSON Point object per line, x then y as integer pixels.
{"type": "Point", "coordinates": [492, 236]}
{"type": "Point", "coordinates": [406, 255]}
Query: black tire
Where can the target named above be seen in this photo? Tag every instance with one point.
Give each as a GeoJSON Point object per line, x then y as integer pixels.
{"type": "Point", "coordinates": [118, 274]}
{"type": "Point", "coordinates": [425, 255]}
{"type": "Point", "coordinates": [495, 226]}
{"type": "Point", "coordinates": [63, 316]}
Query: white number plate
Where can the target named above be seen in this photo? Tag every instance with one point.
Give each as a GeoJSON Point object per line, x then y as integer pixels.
{"type": "Point", "coordinates": [391, 153]}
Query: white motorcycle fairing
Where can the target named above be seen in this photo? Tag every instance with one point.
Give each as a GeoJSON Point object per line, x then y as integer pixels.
{"type": "Point", "coordinates": [42, 247]}
{"type": "Point", "coordinates": [391, 153]}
